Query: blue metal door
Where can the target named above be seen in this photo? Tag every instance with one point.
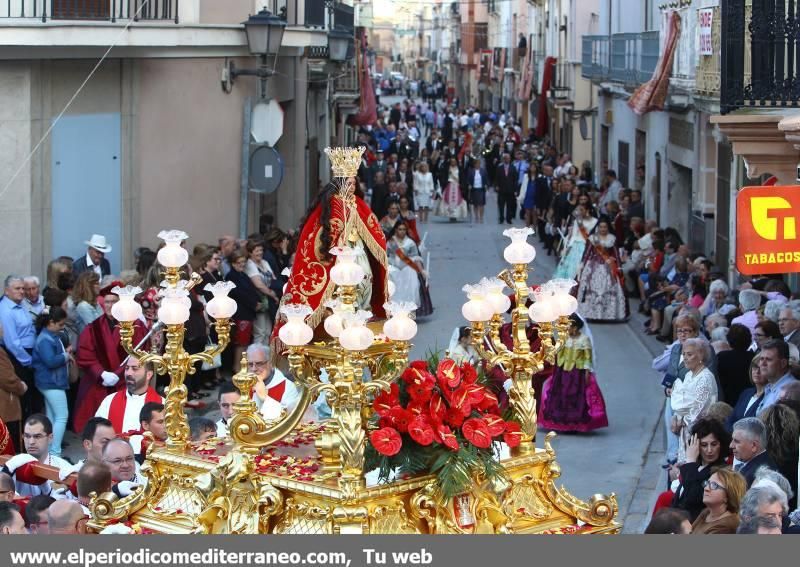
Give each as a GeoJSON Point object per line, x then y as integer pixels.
{"type": "Point", "coordinates": [86, 192]}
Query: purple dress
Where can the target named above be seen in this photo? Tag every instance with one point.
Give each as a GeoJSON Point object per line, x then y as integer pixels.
{"type": "Point", "coordinates": [571, 398]}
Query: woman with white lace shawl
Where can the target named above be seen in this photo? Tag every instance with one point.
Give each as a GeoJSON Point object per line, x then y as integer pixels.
{"type": "Point", "coordinates": [694, 394]}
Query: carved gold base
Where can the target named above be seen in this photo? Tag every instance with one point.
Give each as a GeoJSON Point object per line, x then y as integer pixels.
{"type": "Point", "coordinates": [189, 493]}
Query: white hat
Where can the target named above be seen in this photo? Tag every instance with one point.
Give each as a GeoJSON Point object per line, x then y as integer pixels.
{"type": "Point", "coordinates": [98, 242]}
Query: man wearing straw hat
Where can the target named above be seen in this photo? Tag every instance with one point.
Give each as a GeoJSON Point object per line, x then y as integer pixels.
{"type": "Point", "coordinates": [95, 258]}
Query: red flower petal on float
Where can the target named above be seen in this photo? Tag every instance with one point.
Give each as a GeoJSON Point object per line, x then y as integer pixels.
{"type": "Point", "coordinates": [447, 436]}
{"type": "Point", "coordinates": [513, 434]}
{"type": "Point", "coordinates": [468, 373]}
{"type": "Point", "coordinates": [420, 365]}
{"type": "Point", "coordinates": [459, 399]}
{"type": "Point", "coordinates": [420, 391]}
{"type": "Point", "coordinates": [387, 441]}
{"type": "Point", "coordinates": [495, 424]}
{"type": "Point", "coordinates": [386, 400]}
{"type": "Point", "coordinates": [421, 431]}
{"type": "Point", "coordinates": [476, 432]}
{"type": "Point", "coordinates": [448, 373]}
{"type": "Point", "coordinates": [400, 418]}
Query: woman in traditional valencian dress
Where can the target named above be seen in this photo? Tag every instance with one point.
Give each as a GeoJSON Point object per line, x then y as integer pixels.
{"type": "Point", "coordinates": [582, 228]}
{"type": "Point", "coordinates": [390, 218]}
{"type": "Point", "coordinates": [601, 295]}
{"type": "Point", "coordinates": [452, 204]}
{"type": "Point", "coordinates": [409, 277]}
{"type": "Point", "coordinates": [571, 398]}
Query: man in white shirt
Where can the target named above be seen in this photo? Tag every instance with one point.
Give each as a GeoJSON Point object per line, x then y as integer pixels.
{"type": "Point", "coordinates": [774, 366]}
{"type": "Point", "coordinates": [33, 302]}
{"type": "Point", "coordinates": [37, 435]}
{"type": "Point", "coordinates": [123, 407]}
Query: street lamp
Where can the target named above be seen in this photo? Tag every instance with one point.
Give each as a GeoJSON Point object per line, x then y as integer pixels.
{"type": "Point", "coordinates": [264, 36]}
{"type": "Point", "coordinates": [338, 44]}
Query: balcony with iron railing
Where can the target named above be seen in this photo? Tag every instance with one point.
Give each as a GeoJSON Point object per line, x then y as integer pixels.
{"type": "Point", "coordinates": [760, 54]}
{"type": "Point", "coordinates": [563, 81]}
{"type": "Point", "coordinates": [89, 10]}
{"type": "Point", "coordinates": [626, 58]}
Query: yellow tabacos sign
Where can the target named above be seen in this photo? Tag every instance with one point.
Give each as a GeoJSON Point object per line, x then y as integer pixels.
{"type": "Point", "coordinates": [766, 230]}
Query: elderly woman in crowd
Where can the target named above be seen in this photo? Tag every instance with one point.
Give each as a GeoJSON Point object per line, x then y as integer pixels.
{"type": "Point", "coordinates": [260, 273]}
{"type": "Point", "coordinates": [722, 497]}
{"type": "Point", "coordinates": [765, 499]}
{"type": "Point", "coordinates": [733, 365]}
{"type": "Point", "coordinates": [717, 294]}
{"type": "Point", "coordinates": [686, 327]}
{"type": "Point", "coordinates": [694, 393]}
{"type": "Point", "coordinates": [749, 302]}
{"type": "Point", "coordinates": [707, 449]}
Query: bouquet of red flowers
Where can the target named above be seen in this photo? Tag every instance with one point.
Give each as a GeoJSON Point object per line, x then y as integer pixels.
{"type": "Point", "coordinates": [439, 418]}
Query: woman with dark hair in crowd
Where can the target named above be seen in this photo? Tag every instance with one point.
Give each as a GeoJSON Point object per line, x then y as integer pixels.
{"type": "Point", "coordinates": [410, 219]}
{"type": "Point", "coordinates": [277, 254]}
{"type": "Point", "coordinates": [262, 277]}
{"type": "Point", "coordinates": [51, 372]}
{"type": "Point", "coordinates": [247, 299]}
{"type": "Point", "coordinates": [766, 331]}
{"type": "Point", "coordinates": [750, 398]}
{"type": "Point", "coordinates": [783, 430]}
{"type": "Point", "coordinates": [391, 218]}
{"type": "Point", "coordinates": [708, 447]}
{"type": "Point", "coordinates": [733, 366]}
{"type": "Point", "coordinates": [146, 260]}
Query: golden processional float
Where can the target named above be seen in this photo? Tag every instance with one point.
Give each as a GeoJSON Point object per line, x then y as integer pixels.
{"type": "Point", "coordinates": [283, 475]}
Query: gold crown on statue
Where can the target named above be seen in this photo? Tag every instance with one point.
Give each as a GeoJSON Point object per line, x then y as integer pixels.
{"type": "Point", "coordinates": [345, 161]}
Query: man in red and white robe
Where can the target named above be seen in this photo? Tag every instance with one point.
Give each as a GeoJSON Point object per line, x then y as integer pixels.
{"type": "Point", "coordinates": [273, 389]}
{"type": "Point", "coordinates": [122, 408]}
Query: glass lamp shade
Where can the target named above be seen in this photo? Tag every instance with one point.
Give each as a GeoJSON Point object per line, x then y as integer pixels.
{"type": "Point", "coordinates": [346, 272]}
{"type": "Point", "coordinates": [221, 306]}
{"type": "Point", "coordinates": [565, 304]}
{"type": "Point", "coordinates": [400, 327]}
{"type": "Point", "coordinates": [338, 43]}
{"type": "Point", "coordinates": [498, 300]}
{"type": "Point", "coordinates": [173, 255]}
{"type": "Point", "coordinates": [264, 33]}
{"type": "Point", "coordinates": [333, 325]}
{"type": "Point", "coordinates": [356, 335]}
{"type": "Point", "coordinates": [477, 309]}
{"type": "Point", "coordinates": [295, 332]}
{"type": "Point", "coordinates": [173, 310]}
{"type": "Point", "coordinates": [126, 310]}
{"type": "Point", "coordinates": [519, 251]}
{"type": "Point", "coordinates": [543, 312]}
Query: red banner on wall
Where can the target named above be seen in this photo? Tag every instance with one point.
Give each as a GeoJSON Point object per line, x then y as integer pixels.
{"type": "Point", "coordinates": [767, 230]}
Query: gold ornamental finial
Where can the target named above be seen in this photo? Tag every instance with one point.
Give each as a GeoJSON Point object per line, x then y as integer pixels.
{"type": "Point", "coordinates": [345, 161]}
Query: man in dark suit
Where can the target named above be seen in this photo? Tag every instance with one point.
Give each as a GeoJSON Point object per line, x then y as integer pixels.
{"type": "Point", "coordinates": [380, 193]}
{"type": "Point", "coordinates": [95, 257]}
{"type": "Point", "coordinates": [434, 141]}
{"type": "Point", "coordinates": [749, 448]}
{"type": "Point", "coordinates": [395, 114]}
{"type": "Point", "coordinates": [507, 190]}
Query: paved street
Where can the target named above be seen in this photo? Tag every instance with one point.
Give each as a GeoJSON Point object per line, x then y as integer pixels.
{"type": "Point", "coordinates": [610, 460]}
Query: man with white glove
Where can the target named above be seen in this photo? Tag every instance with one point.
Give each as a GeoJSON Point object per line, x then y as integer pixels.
{"type": "Point", "coordinates": [37, 435]}
{"type": "Point", "coordinates": [109, 379]}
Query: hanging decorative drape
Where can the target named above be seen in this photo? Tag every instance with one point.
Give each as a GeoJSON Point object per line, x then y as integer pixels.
{"type": "Point", "coordinates": [653, 94]}
{"type": "Point", "coordinates": [542, 120]}
{"type": "Point", "coordinates": [368, 111]}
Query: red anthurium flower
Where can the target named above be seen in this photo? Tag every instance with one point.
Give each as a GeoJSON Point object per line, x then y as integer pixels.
{"type": "Point", "coordinates": [386, 400]}
{"type": "Point", "coordinates": [400, 418]}
{"type": "Point", "coordinates": [448, 373]}
{"type": "Point", "coordinates": [421, 431]}
{"type": "Point", "coordinates": [448, 437]}
{"type": "Point", "coordinates": [476, 432]}
{"type": "Point", "coordinates": [410, 374]}
{"type": "Point", "coordinates": [489, 402]}
{"type": "Point", "coordinates": [387, 441]}
{"type": "Point", "coordinates": [476, 393]}
{"type": "Point", "coordinates": [495, 424]}
{"type": "Point", "coordinates": [459, 399]}
{"type": "Point", "coordinates": [513, 434]}
{"type": "Point", "coordinates": [454, 417]}
{"type": "Point", "coordinates": [418, 407]}
{"type": "Point", "coordinates": [437, 407]}
{"type": "Point", "coordinates": [468, 373]}
{"type": "Point", "coordinates": [420, 365]}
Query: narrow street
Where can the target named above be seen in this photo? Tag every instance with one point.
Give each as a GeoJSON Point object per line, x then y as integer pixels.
{"type": "Point", "coordinates": [609, 460]}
